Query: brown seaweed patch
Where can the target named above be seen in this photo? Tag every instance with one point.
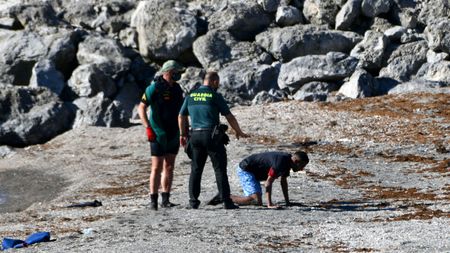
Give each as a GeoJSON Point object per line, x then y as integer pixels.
{"type": "Point", "coordinates": [421, 213]}
{"type": "Point", "coordinates": [379, 192]}
{"type": "Point", "coordinates": [407, 158]}
{"type": "Point", "coordinates": [442, 167]}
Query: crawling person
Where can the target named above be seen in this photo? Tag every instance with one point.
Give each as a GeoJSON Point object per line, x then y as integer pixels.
{"type": "Point", "coordinates": [267, 167]}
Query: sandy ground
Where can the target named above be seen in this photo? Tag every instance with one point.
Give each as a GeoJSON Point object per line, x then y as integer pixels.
{"type": "Point", "coordinates": [378, 181]}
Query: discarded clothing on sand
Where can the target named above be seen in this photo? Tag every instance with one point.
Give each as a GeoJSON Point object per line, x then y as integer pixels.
{"type": "Point", "coordinates": [94, 203]}
{"type": "Point", "coordinates": [9, 243]}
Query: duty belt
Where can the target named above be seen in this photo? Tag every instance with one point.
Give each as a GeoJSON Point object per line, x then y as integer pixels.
{"type": "Point", "coordinates": [201, 129]}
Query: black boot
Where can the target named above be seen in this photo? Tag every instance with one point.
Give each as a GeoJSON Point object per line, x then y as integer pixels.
{"type": "Point", "coordinates": [154, 201]}
{"type": "Point", "coordinates": [228, 204]}
{"type": "Point", "coordinates": [165, 200]}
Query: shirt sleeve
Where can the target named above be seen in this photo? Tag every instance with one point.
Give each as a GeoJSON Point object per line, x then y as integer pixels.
{"type": "Point", "coordinates": [272, 173]}
{"type": "Point", "coordinates": [222, 104]}
{"type": "Point", "coordinates": [149, 91]}
{"type": "Point", "coordinates": [184, 109]}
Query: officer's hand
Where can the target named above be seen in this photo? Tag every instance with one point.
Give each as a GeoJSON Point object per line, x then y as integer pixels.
{"type": "Point", "coordinates": [183, 141]}
{"type": "Point", "coordinates": [241, 134]}
{"type": "Point", "coordinates": [151, 136]}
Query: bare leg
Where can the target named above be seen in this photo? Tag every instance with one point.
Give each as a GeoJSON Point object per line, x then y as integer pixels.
{"type": "Point", "coordinates": [167, 173]}
{"type": "Point", "coordinates": [249, 200]}
{"type": "Point", "coordinates": [155, 175]}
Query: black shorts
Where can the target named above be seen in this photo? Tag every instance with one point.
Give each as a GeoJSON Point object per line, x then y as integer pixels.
{"type": "Point", "coordinates": [170, 147]}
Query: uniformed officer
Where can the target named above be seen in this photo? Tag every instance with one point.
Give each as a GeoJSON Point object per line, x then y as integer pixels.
{"type": "Point", "coordinates": [165, 97]}
{"type": "Point", "coordinates": [204, 105]}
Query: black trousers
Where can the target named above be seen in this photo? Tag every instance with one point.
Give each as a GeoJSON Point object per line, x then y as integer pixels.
{"type": "Point", "coordinates": [202, 147]}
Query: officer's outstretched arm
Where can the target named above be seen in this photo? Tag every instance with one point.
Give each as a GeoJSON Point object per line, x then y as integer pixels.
{"type": "Point", "coordinates": [235, 125]}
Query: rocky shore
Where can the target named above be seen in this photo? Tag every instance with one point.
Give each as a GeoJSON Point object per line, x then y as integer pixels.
{"type": "Point", "coordinates": [377, 181]}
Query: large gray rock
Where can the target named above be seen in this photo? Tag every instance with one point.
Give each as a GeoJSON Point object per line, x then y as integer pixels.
{"type": "Point", "coordinates": [164, 31]}
{"type": "Point", "coordinates": [269, 5]}
{"type": "Point", "coordinates": [417, 86]}
{"type": "Point", "coordinates": [248, 78]}
{"type": "Point", "coordinates": [348, 13]}
{"type": "Point", "coordinates": [315, 91]}
{"type": "Point", "coordinates": [99, 111]}
{"type": "Point", "coordinates": [30, 116]}
{"type": "Point", "coordinates": [104, 52]}
{"type": "Point", "coordinates": [370, 50]}
{"type": "Point", "coordinates": [34, 14]}
{"type": "Point", "coordinates": [192, 78]}
{"type": "Point", "coordinates": [439, 71]}
{"type": "Point", "coordinates": [288, 15]}
{"type": "Point", "coordinates": [126, 100]}
{"type": "Point", "coordinates": [218, 48]}
{"type": "Point", "coordinates": [395, 33]}
{"type": "Point", "coordinates": [333, 66]}
{"type": "Point", "coordinates": [405, 61]}
{"type": "Point", "coordinates": [46, 75]}
{"type": "Point", "coordinates": [431, 10]}
{"type": "Point", "coordinates": [19, 51]}
{"type": "Point", "coordinates": [89, 79]}
{"type": "Point", "coordinates": [243, 20]}
{"type": "Point", "coordinates": [288, 43]}
{"type": "Point", "coordinates": [433, 57]}
{"type": "Point", "coordinates": [438, 35]}
{"type": "Point", "coordinates": [373, 8]}
{"type": "Point", "coordinates": [320, 12]}
{"type": "Point", "coordinates": [360, 85]}
{"type": "Point", "coordinates": [271, 96]}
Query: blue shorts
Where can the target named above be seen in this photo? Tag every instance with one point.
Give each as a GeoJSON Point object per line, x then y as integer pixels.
{"type": "Point", "coordinates": [249, 183]}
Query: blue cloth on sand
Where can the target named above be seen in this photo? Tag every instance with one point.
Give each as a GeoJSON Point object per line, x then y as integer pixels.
{"type": "Point", "coordinates": [9, 243]}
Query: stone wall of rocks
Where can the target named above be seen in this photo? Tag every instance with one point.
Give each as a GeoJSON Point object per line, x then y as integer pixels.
{"type": "Point", "coordinates": [69, 63]}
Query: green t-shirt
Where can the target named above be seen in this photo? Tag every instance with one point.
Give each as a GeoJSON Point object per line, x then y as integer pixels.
{"type": "Point", "coordinates": [203, 106]}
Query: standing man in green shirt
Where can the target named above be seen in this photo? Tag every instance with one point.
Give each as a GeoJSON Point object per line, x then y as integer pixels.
{"type": "Point", "coordinates": [204, 105]}
{"type": "Point", "coordinates": [164, 96]}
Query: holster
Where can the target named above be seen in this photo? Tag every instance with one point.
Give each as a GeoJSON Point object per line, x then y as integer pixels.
{"type": "Point", "coordinates": [219, 136]}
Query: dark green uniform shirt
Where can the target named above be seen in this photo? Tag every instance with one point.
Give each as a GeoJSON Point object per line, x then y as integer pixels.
{"type": "Point", "coordinates": [165, 103]}
{"type": "Point", "coordinates": [203, 105]}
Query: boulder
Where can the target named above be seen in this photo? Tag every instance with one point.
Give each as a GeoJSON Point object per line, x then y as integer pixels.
{"type": "Point", "coordinates": [164, 31]}
{"type": "Point", "coordinates": [370, 50]}
{"type": "Point", "coordinates": [126, 100]}
{"type": "Point", "coordinates": [373, 8]}
{"type": "Point", "coordinates": [315, 91]}
{"type": "Point", "coordinates": [129, 37]}
{"type": "Point", "coordinates": [405, 60]}
{"type": "Point", "coordinates": [439, 71]}
{"type": "Point", "coordinates": [360, 85]}
{"type": "Point", "coordinates": [218, 48]}
{"type": "Point", "coordinates": [89, 79]}
{"type": "Point", "coordinates": [287, 16]}
{"type": "Point", "coordinates": [46, 75]}
{"type": "Point", "coordinates": [32, 15]}
{"type": "Point", "coordinates": [320, 12]}
{"type": "Point", "coordinates": [271, 96]}
{"type": "Point", "coordinates": [290, 42]}
{"type": "Point", "coordinates": [99, 111]}
{"type": "Point", "coordinates": [248, 78]}
{"type": "Point", "coordinates": [333, 66]}
{"type": "Point", "coordinates": [432, 10]}
{"type": "Point", "coordinates": [433, 57]}
{"type": "Point", "coordinates": [395, 33]}
{"type": "Point", "coordinates": [19, 51]}
{"type": "Point", "coordinates": [269, 5]}
{"type": "Point", "coordinates": [192, 78]}
{"type": "Point", "coordinates": [243, 20]}
{"type": "Point", "coordinates": [348, 13]}
{"type": "Point", "coordinates": [438, 35]}
{"type": "Point", "coordinates": [418, 86]}
{"type": "Point", "coordinates": [10, 23]}
{"type": "Point", "coordinates": [106, 53]}
{"type": "Point", "coordinates": [31, 116]}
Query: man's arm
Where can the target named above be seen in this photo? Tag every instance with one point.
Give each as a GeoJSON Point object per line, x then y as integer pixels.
{"type": "Point", "coordinates": [284, 188]}
{"type": "Point", "coordinates": [142, 111]}
{"type": "Point", "coordinates": [183, 126]}
{"type": "Point", "coordinates": [235, 125]}
{"type": "Point", "coordinates": [268, 186]}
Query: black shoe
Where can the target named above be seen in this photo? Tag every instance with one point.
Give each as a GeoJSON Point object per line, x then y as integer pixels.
{"type": "Point", "coordinates": [165, 200]}
{"type": "Point", "coordinates": [214, 201]}
{"type": "Point", "coordinates": [230, 205]}
{"type": "Point", "coordinates": [154, 201]}
{"type": "Point", "coordinates": [194, 204]}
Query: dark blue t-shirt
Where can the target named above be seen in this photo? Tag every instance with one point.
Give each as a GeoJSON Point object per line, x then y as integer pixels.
{"type": "Point", "coordinates": [260, 164]}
